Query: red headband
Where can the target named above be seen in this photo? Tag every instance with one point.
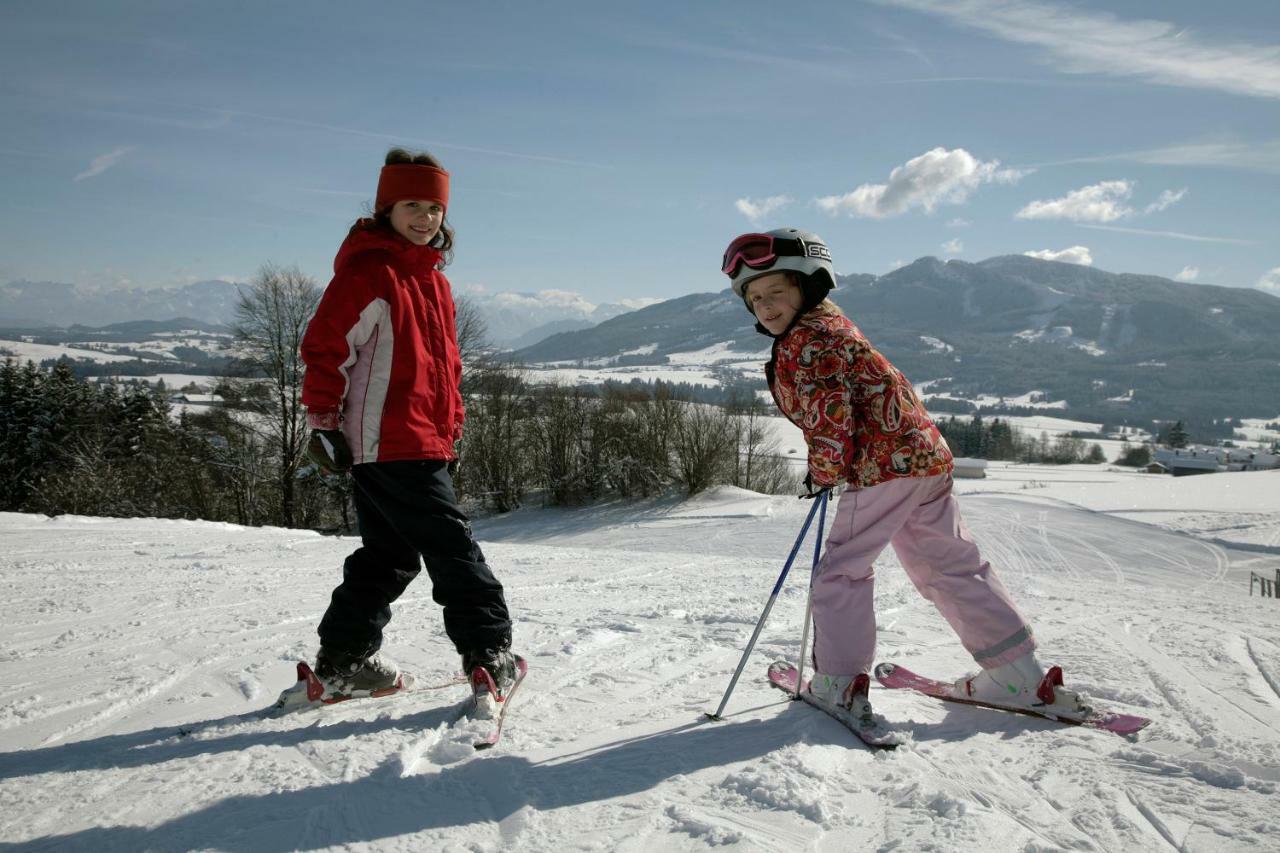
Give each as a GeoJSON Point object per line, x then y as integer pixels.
{"type": "Point", "coordinates": [401, 181]}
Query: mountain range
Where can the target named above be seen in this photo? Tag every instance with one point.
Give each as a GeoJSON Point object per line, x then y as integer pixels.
{"type": "Point", "coordinates": [515, 320]}
{"type": "Point", "coordinates": [37, 304]}
{"type": "Point", "coordinates": [1112, 346]}
{"type": "Point", "coordinates": [512, 320]}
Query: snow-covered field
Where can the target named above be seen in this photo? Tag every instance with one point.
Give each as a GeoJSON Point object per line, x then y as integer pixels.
{"type": "Point", "coordinates": [132, 648]}
{"type": "Point", "coordinates": [25, 351]}
{"type": "Point", "coordinates": [173, 381]}
{"type": "Point", "coordinates": [119, 351]}
{"type": "Point", "coordinates": [790, 438]}
{"type": "Point", "coordinates": [696, 367]}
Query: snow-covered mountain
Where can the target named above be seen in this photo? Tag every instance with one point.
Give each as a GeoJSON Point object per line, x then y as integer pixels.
{"type": "Point", "coordinates": [136, 653]}
{"type": "Point", "coordinates": [1110, 346]}
{"type": "Point", "coordinates": [514, 320]}
{"type": "Point", "coordinates": [1105, 347]}
{"type": "Point", "coordinates": [48, 303]}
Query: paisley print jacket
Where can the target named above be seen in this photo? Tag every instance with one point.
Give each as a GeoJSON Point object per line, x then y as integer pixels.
{"type": "Point", "coordinates": [861, 418]}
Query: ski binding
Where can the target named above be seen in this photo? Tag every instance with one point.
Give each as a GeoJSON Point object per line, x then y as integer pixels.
{"type": "Point", "coordinates": [878, 735]}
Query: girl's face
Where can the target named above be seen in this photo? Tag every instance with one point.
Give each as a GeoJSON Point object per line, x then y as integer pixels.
{"type": "Point", "coordinates": [774, 299]}
{"type": "Point", "coordinates": [418, 221]}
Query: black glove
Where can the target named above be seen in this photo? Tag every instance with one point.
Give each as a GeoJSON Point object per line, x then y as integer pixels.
{"type": "Point", "coordinates": [810, 493]}
{"type": "Point", "coordinates": [328, 448]}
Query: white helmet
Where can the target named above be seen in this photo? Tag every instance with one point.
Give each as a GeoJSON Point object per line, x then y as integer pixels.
{"type": "Point", "coordinates": [784, 249]}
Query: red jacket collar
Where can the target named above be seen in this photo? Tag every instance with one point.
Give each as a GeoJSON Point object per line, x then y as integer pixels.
{"type": "Point", "coordinates": [367, 237]}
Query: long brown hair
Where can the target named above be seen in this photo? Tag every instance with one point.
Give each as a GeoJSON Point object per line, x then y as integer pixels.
{"type": "Point", "coordinates": [382, 218]}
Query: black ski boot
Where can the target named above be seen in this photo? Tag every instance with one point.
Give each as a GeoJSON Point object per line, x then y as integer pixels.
{"type": "Point", "coordinates": [496, 667]}
{"type": "Point", "coordinates": [347, 674]}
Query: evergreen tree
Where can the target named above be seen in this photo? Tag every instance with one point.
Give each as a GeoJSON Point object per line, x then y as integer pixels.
{"type": "Point", "coordinates": [1177, 436]}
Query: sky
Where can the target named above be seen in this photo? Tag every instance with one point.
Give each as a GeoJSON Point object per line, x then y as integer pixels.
{"type": "Point", "coordinates": [612, 150]}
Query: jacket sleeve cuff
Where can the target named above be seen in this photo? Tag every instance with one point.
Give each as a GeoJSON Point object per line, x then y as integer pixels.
{"type": "Point", "coordinates": [324, 420]}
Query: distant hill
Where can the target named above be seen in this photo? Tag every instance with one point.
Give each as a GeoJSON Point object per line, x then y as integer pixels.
{"type": "Point", "coordinates": [58, 304]}
{"type": "Point", "coordinates": [1009, 325]}
{"type": "Point", "coordinates": [514, 320]}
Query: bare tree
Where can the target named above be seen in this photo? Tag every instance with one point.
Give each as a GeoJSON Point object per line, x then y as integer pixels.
{"type": "Point", "coordinates": [703, 445]}
{"type": "Point", "coordinates": [271, 318]}
{"type": "Point", "coordinates": [561, 446]}
{"type": "Point", "coordinates": [758, 464]}
{"type": "Point", "coordinates": [473, 332]}
{"type": "Point", "coordinates": [495, 457]}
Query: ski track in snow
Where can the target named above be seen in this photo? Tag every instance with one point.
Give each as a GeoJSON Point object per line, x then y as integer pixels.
{"type": "Point", "coordinates": [138, 653]}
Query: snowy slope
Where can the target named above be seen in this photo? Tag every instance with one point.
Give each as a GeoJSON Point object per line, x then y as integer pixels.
{"type": "Point", "coordinates": [132, 648]}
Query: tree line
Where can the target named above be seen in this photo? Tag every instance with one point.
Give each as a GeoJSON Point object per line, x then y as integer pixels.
{"type": "Point", "coordinates": [69, 445]}
{"type": "Point", "coordinates": [1000, 440]}
{"type": "Point", "coordinates": [574, 444]}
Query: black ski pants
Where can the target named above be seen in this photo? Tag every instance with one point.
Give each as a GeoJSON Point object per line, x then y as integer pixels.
{"type": "Point", "coordinates": [407, 509]}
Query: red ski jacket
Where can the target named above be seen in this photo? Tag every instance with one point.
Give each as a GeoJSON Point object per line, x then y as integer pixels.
{"type": "Point", "coordinates": [861, 418]}
{"type": "Point", "coordinates": [382, 352]}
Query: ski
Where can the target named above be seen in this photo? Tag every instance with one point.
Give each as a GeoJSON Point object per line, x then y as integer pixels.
{"type": "Point", "coordinates": [485, 698]}
{"type": "Point", "coordinates": [309, 691]}
{"type": "Point", "coordinates": [897, 677]}
{"type": "Point", "coordinates": [783, 676]}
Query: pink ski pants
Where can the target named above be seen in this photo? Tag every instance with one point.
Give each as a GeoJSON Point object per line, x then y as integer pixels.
{"type": "Point", "coordinates": [921, 519]}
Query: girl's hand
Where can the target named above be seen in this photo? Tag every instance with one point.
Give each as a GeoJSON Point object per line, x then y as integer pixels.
{"type": "Point", "coordinates": [810, 493]}
{"type": "Point", "coordinates": [328, 448]}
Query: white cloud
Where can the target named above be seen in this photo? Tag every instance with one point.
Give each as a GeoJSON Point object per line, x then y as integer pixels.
{"type": "Point", "coordinates": [1175, 235]}
{"type": "Point", "coordinates": [1167, 199]}
{"type": "Point", "coordinates": [1189, 273]}
{"type": "Point", "coordinates": [559, 299]}
{"type": "Point", "coordinates": [959, 223]}
{"type": "Point", "coordinates": [1104, 202]}
{"type": "Point", "coordinates": [1263, 156]}
{"type": "Point", "coordinates": [758, 210]}
{"type": "Point", "coordinates": [938, 176]}
{"type": "Point", "coordinates": [103, 162]}
{"type": "Point", "coordinates": [953, 247]}
{"type": "Point", "coordinates": [1073, 255]}
{"type": "Point", "coordinates": [1270, 281]}
{"type": "Point", "coordinates": [1099, 42]}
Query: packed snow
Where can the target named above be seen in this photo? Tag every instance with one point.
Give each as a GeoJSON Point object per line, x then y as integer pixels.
{"type": "Point", "coordinates": [27, 351]}
{"type": "Point", "coordinates": [137, 652]}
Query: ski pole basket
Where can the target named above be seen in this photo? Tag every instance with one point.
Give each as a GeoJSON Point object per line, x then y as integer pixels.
{"type": "Point", "coordinates": [1267, 588]}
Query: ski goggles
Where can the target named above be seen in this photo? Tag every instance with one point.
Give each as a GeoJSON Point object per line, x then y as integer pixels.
{"type": "Point", "coordinates": [761, 251]}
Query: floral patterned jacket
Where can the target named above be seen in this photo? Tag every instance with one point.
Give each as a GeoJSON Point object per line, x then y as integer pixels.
{"type": "Point", "coordinates": [861, 418]}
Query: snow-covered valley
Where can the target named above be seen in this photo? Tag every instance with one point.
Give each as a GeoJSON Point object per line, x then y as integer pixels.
{"type": "Point", "coordinates": [136, 650]}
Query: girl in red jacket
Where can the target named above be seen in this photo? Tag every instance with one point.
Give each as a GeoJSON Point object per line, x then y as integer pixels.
{"type": "Point", "coordinates": [382, 397]}
{"type": "Point", "coordinates": [866, 429]}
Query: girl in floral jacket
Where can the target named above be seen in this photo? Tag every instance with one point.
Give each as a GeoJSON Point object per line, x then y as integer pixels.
{"type": "Point", "coordinates": [866, 429]}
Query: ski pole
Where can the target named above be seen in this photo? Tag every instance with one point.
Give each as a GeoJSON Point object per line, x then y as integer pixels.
{"type": "Point", "coordinates": [795, 549]}
{"type": "Point", "coordinates": [808, 608]}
